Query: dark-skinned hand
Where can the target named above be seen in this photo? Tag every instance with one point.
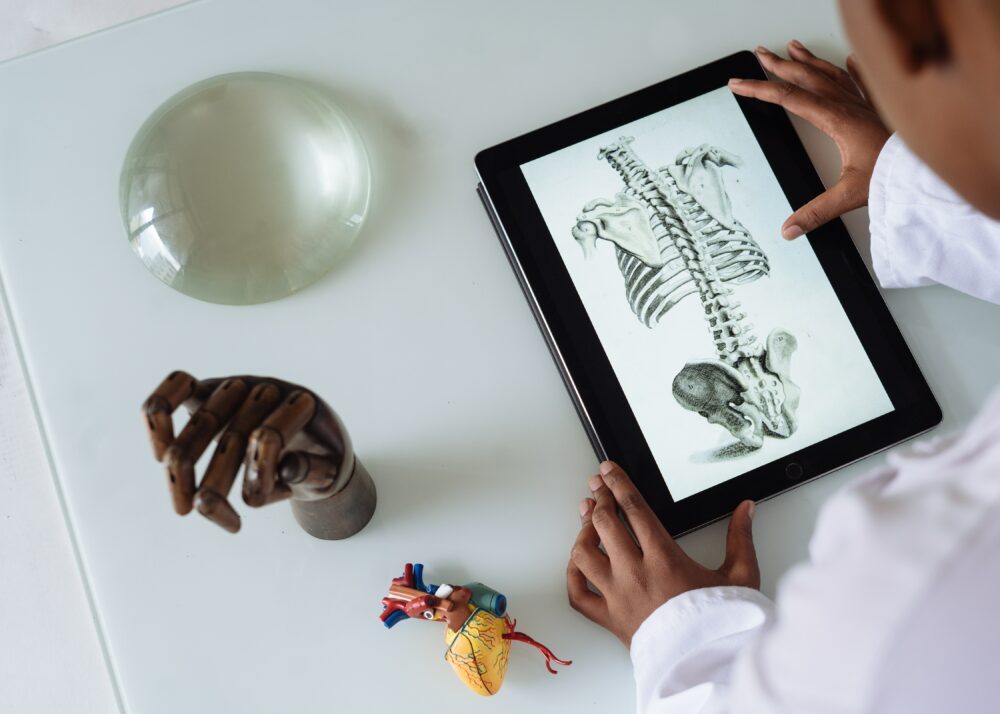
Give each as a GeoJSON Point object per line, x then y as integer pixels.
{"type": "Point", "coordinates": [635, 575]}
{"type": "Point", "coordinates": [836, 102]}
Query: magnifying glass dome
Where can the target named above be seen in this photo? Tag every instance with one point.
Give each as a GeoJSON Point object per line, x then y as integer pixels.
{"type": "Point", "coordinates": [244, 188]}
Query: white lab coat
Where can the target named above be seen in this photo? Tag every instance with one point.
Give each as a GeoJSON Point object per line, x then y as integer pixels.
{"type": "Point", "coordinates": [898, 608]}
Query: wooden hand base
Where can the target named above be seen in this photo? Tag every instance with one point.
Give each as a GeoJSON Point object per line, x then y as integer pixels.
{"type": "Point", "coordinates": [344, 513]}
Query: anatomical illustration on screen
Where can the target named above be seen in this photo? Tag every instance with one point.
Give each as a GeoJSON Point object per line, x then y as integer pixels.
{"type": "Point", "coordinates": [729, 342]}
{"type": "Point", "coordinates": [674, 237]}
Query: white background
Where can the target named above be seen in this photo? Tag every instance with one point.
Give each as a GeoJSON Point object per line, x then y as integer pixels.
{"type": "Point", "coordinates": [271, 620]}
{"type": "Point", "coordinates": [50, 655]}
{"type": "Point", "coordinates": [839, 386]}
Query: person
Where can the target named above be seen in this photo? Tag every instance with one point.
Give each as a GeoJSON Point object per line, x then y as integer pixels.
{"type": "Point", "coordinates": [895, 609]}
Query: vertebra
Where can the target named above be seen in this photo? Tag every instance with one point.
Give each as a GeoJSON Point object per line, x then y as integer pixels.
{"type": "Point", "coordinates": [675, 236]}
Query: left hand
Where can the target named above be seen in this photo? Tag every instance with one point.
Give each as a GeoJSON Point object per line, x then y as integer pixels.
{"type": "Point", "coordinates": [637, 575]}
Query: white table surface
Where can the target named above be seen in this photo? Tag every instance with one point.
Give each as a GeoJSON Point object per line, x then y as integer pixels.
{"type": "Point", "coordinates": [449, 391]}
{"type": "Point", "coordinates": [50, 655]}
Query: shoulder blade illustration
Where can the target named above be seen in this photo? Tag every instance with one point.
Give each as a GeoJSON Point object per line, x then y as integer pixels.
{"type": "Point", "coordinates": [675, 235]}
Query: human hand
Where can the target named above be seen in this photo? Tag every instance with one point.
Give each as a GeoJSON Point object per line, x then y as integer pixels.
{"type": "Point", "coordinates": [635, 575]}
{"type": "Point", "coordinates": [292, 443]}
{"type": "Point", "coordinates": [836, 102]}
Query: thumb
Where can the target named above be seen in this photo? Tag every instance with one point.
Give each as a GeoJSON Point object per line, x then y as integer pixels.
{"type": "Point", "coordinates": [740, 565]}
{"type": "Point", "coordinates": [845, 195]}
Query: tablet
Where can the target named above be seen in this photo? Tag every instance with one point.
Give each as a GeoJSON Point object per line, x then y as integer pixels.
{"type": "Point", "coordinates": [710, 357]}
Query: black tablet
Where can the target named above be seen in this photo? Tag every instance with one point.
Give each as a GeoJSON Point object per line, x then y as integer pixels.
{"type": "Point", "coordinates": [710, 357]}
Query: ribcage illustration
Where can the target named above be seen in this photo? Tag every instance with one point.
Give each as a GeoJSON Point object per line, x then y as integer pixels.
{"type": "Point", "coordinates": [652, 290]}
{"type": "Point", "coordinates": [675, 235]}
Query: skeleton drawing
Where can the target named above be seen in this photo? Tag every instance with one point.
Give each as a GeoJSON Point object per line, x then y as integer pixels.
{"type": "Point", "coordinates": [675, 235]}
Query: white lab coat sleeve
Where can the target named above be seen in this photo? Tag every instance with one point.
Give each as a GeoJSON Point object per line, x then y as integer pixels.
{"type": "Point", "coordinates": [924, 233]}
{"type": "Point", "coordinates": [683, 654]}
{"type": "Point", "coordinates": [722, 650]}
{"type": "Point", "coordinates": [880, 546]}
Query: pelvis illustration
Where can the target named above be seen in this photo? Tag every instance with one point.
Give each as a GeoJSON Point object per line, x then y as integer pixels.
{"type": "Point", "coordinates": [675, 235]}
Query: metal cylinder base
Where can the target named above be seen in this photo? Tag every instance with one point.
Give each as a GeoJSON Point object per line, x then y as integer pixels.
{"type": "Point", "coordinates": [344, 513]}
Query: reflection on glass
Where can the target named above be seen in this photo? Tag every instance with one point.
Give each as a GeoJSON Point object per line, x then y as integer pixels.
{"type": "Point", "coordinates": [244, 188]}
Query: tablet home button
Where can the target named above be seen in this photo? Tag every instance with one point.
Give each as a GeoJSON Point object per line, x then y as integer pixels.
{"type": "Point", "coordinates": [793, 471]}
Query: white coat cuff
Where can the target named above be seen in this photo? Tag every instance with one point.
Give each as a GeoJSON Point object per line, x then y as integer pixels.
{"type": "Point", "coordinates": [684, 651]}
{"type": "Point", "coordinates": [878, 190]}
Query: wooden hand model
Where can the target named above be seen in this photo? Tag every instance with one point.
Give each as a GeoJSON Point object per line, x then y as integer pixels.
{"type": "Point", "coordinates": [293, 444]}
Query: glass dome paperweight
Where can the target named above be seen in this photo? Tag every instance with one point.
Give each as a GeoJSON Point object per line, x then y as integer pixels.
{"type": "Point", "coordinates": [244, 188]}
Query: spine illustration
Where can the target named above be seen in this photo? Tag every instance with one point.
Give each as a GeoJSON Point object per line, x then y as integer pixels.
{"type": "Point", "coordinates": [674, 236]}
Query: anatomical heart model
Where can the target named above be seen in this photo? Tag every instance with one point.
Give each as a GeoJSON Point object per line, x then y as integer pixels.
{"type": "Point", "coordinates": [675, 236]}
{"type": "Point", "coordinates": [477, 632]}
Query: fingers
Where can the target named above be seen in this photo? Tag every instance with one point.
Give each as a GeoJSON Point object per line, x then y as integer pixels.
{"type": "Point", "coordinates": [327, 429]}
{"type": "Point", "coordinates": [216, 508]}
{"type": "Point", "coordinates": [586, 555]}
{"type": "Point", "coordinates": [614, 536]}
{"type": "Point", "coordinates": [211, 498]}
{"type": "Point", "coordinates": [197, 434]}
{"type": "Point", "coordinates": [315, 473]}
{"type": "Point", "coordinates": [818, 111]}
{"type": "Point", "coordinates": [645, 525]}
{"type": "Point", "coordinates": [740, 565]}
{"type": "Point", "coordinates": [587, 562]}
{"type": "Point", "coordinates": [805, 76]}
{"type": "Point", "coordinates": [161, 404]}
{"type": "Point", "coordinates": [260, 484]}
{"type": "Point", "coordinates": [583, 599]}
{"type": "Point", "coordinates": [799, 52]}
{"type": "Point", "coordinates": [848, 193]}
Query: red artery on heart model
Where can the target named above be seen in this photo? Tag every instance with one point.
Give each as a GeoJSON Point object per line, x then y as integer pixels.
{"type": "Point", "coordinates": [478, 631]}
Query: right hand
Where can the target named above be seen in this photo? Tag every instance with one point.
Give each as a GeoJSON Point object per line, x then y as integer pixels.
{"type": "Point", "coordinates": [636, 572]}
{"type": "Point", "coordinates": [836, 102]}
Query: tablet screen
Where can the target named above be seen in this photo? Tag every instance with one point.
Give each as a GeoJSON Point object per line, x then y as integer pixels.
{"type": "Point", "coordinates": [728, 341]}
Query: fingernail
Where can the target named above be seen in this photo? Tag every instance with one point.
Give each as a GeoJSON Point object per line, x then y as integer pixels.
{"type": "Point", "coordinates": [761, 50]}
{"type": "Point", "coordinates": [584, 506]}
{"type": "Point", "coordinates": [607, 467]}
{"type": "Point", "coordinates": [790, 232]}
{"type": "Point", "coordinates": [734, 81]}
{"type": "Point", "coordinates": [751, 510]}
{"type": "Point", "coordinates": [797, 44]}
{"type": "Point", "coordinates": [595, 482]}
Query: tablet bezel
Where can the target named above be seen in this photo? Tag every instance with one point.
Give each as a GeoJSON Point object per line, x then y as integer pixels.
{"type": "Point", "coordinates": [580, 356]}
